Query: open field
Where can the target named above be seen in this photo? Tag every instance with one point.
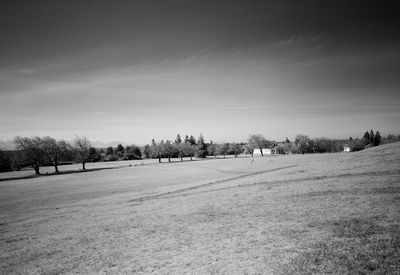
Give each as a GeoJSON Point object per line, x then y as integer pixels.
{"type": "Point", "coordinates": [332, 213]}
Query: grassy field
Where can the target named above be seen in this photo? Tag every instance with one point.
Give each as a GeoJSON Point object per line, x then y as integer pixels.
{"type": "Point", "coordinates": [321, 213]}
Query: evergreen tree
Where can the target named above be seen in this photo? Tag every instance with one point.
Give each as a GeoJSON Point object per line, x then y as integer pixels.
{"type": "Point", "coordinates": [187, 139]}
{"type": "Point", "coordinates": [120, 150]}
{"type": "Point", "coordinates": [366, 136]}
{"type": "Point", "coordinates": [192, 140]}
{"type": "Point", "coordinates": [201, 147]}
{"type": "Point", "coordinates": [377, 139]}
{"type": "Point", "coordinates": [178, 139]}
{"type": "Point", "coordinates": [110, 151]}
{"type": "Point", "coordinates": [371, 137]}
{"type": "Point", "coordinates": [5, 162]}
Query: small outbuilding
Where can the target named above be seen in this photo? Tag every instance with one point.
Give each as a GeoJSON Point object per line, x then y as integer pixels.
{"type": "Point", "coordinates": [346, 148]}
{"type": "Point", "coordinates": [257, 152]}
{"type": "Point", "coordinates": [267, 151]}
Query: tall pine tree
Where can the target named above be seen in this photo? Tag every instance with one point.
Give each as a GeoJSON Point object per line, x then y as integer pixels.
{"type": "Point", "coordinates": [377, 139]}
{"type": "Point", "coordinates": [201, 147]}
{"type": "Point", "coordinates": [371, 137]}
{"type": "Point", "coordinates": [178, 139]}
{"type": "Point", "coordinates": [192, 140]}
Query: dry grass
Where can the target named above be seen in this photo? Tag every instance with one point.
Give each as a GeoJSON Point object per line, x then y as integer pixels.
{"type": "Point", "coordinates": [328, 213]}
{"type": "Point", "coordinates": [357, 246]}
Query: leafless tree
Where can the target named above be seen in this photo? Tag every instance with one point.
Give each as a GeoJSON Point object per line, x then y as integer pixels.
{"type": "Point", "coordinates": [82, 147]}
{"type": "Point", "coordinates": [236, 149]}
{"type": "Point", "coordinates": [223, 149]}
{"type": "Point", "coordinates": [302, 144]}
{"type": "Point", "coordinates": [54, 150]}
{"type": "Point", "coordinates": [31, 149]}
{"type": "Point", "coordinates": [169, 149]}
{"type": "Point", "coordinates": [188, 150]}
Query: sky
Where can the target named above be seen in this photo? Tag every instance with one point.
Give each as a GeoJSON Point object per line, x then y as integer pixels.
{"type": "Point", "coordinates": [132, 71]}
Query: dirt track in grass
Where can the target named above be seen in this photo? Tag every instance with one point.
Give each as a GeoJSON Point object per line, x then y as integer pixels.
{"type": "Point", "coordinates": [334, 213]}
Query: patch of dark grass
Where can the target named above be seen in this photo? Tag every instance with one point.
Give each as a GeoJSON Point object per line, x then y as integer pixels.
{"type": "Point", "coordinates": [379, 256]}
{"type": "Point", "coordinates": [61, 173]}
{"type": "Point", "coordinates": [326, 193]}
{"type": "Point", "coordinates": [355, 227]}
{"type": "Point", "coordinates": [375, 191]}
{"type": "Point", "coordinates": [356, 246]}
{"type": "Point", "coordinates": [386, 190]}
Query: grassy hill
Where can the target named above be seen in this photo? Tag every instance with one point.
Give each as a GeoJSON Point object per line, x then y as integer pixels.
{"type": "Point", "coordinates": [332, 213]}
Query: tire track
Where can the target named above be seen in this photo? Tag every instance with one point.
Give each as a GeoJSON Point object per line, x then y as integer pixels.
{"type": "Point", "coordinates": [183, 190]}
{"type": "Point", "coordinates": [169, 195]}
{"type": "Point", "coordinates": [220, 170]}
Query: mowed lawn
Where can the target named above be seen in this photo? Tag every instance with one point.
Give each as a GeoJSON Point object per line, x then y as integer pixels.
{"type": "Point", "coordinates": [332, 213]}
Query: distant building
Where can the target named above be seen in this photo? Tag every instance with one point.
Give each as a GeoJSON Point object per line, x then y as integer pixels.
{"type": "Point", "coordinates": [268, 151]}
{"type": "Point", "coordinates": [346, 148]}
{"type": "Point", "coordinates": [257, 152]}
{"type": "Point", "coordinates": [280, 148]}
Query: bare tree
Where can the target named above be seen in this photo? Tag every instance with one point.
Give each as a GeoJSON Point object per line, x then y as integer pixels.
{"type": "Point", "coordinates": [169, 149]}
{"type": "Point", "coordinates": [146, 151]}
{"type": "Point", "coordinates": [302, 144]}
{"type": "Point", "coordinates": [179, 146]}
{"type": "Point", "coordinates": [155, 150]}
{"type": "Point", "coordinates": [212, 149]}
{"type": "Point", "coordinates": [54, 150]}
{"type": "Point", "coordinates": [180, 149]}
{"type": "Point", "coordinates": [236, 149]}
{"type": "Point", "coordinates": [82, 147]}
{"type": "Point", "coordinates": [31, 149]}
{"type": "Point", "coordinates": [223, 149]}
{"type": "Point", "coordinates": [187, 150]}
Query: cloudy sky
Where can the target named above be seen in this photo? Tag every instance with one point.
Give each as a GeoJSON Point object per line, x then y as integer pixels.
{"type": "Point", "coordinates": [135, 70]}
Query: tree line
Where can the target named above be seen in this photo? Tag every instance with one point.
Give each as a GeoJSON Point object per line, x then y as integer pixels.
{"type": "Point", "coordinates": [368, 140]}
{"type": "Point", "coordinates": [44, 151]}
{"type": "Point", "coordinates": [39, 151]}
{"type": "Point", "coordinates": [304, 144]}
{"type": "Point", "coordinates": [189, 147]}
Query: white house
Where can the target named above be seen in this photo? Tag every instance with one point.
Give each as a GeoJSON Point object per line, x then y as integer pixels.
{"type": "Point", "coordinates": [346, 148]}
{"type": "Point", "coordinates": [257, 152]}
{"type": "Point", "coordinates": [266, 152]}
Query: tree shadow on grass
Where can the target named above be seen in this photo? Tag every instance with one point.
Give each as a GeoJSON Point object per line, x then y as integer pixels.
{"type": "Point", "coordinates": [63, 173]}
